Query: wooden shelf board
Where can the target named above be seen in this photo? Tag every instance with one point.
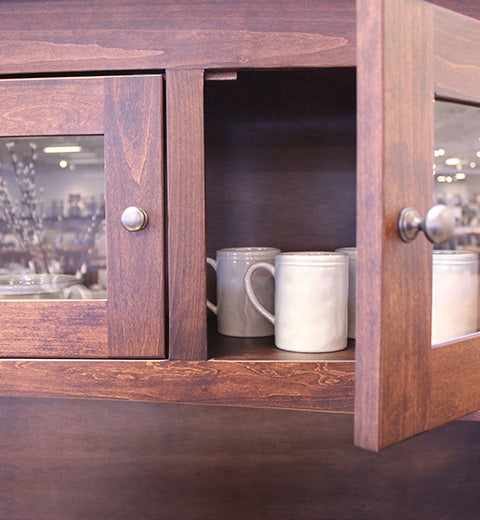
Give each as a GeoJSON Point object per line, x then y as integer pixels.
{"type": "Point", "coordinates": [225, 348]}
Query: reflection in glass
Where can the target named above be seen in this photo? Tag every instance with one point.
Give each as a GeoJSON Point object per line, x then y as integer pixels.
{"type": "Point", "coordinates": [456, 176]}
{"type": "Point", "coordinates": [52, 217]}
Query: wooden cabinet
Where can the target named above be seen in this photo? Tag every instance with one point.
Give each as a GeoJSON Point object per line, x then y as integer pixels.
{"type": "Point", "coordinates": [256, 139]}
{"type": "Point", "coordinates": [128, 112]}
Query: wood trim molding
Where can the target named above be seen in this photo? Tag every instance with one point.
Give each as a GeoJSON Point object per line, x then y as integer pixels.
{"type": "Point", "coordinates": [327, 386]}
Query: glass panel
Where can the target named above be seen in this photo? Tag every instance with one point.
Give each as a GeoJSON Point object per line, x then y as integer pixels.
{"type": "Point", "coordinates": [457, 185]}
{"type": "Point", "coordinates": [52, 217]}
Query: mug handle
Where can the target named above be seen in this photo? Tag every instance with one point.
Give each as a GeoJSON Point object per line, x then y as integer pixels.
{"type": "Point", "coordinates": [77, 290]}
{"type": "Point", "coordinates": [251, 293]}
{"type": "Point", "coordinates": [210, 305]}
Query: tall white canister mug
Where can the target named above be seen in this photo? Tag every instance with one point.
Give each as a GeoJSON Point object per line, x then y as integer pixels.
{"type": "Point", "coordinates": [311, 293]}
{"type": "Point", "coordinates": [236, 316]}
{"type": "Point", "coordinates": [454, 295]}
{"type": "Point", "coordinates": [351, 252]}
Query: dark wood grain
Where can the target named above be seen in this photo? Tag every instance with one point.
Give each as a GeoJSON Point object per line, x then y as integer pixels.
{"type": "Point", "coordinates": [45, 37]}
{"type": "Point", "coordinates": [55, 328]}
{"type": "Point", "coordinates": [134, 177]}
{"type": "Point", "coordinates": [38, 36]}
{"type": "Point", "coordinates": [395, 127]}
{"type": "Point", "coordinates": [457, 57]}
{"type": "Point", "coordinates": [370, 84]}
{"type": "Point", "coordinates": [465, 7]}
{"type": "Point", "coordinates": [52, 107]}
{"type": "Point", "coordinates": [186, 214]}
{"type": "Point", "coordinates": [405, 363]}
{"type": "Point", "coordinates": [315, 385]}
{"type": "Point", "coordinates": [75, 460]}
{"type": "Point", "coordinates": [455, 381]}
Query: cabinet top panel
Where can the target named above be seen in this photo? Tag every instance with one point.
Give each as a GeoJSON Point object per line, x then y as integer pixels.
{"type": "Point", "coordinates": [41, 36]}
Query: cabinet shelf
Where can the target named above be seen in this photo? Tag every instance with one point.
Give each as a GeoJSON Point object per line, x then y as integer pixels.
{"type": "Point", "coordinates": [225, 348]}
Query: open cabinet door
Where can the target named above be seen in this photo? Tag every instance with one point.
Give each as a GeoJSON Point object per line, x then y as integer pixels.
{"type": "Point", "coordinates": [411, 54]}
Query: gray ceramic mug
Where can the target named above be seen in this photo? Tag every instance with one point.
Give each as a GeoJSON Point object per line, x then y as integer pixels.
{"type": "Point", "coordinates": [236, 316]}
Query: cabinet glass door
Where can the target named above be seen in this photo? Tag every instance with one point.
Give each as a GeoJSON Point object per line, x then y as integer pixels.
{"type": "Point", "coordinates": [77, 278]}
{"type": "Point", "coordinates": [456, 176]}
{"type": "Point", "coordinates": [412, 57]}
{"type": "Point", "coordinates": [52, 227]}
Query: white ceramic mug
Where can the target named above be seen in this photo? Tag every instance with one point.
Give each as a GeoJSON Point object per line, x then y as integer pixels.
{"type": "Point", "coordinates": [236, 316]}
{"type": "Point", "coordinates": [351, 252]}
{"type": "Point", "coordinates": [311, 294]}
{"type": "Point", "coordinates": [454, 295]}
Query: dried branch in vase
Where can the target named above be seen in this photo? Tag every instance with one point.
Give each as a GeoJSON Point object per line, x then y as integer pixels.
{"type": "Point", "coordinates": [10, 216]}
{"type": "Point", "coordinates": [32, 221]}
{"type": "Point", "coordinates": [97, 219]}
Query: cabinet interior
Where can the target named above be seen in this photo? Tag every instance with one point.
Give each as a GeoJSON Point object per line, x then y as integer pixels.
{"type": "Point", "coordinates": [280, 158]}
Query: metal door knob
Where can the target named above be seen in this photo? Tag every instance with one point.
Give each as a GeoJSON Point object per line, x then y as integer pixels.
{"type": "Point", "coordinates": [134, 219]}
{"type": "Point", "coordinates": [438, 224]}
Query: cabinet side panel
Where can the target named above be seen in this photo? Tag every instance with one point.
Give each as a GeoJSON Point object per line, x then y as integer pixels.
{"type": "Point", "coordinates": [134, 177]}
{"type": "Point", "coordinates": [186, 214]}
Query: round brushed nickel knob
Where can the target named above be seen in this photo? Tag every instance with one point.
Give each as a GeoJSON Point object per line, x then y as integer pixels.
{"type": "Point", "coordinates": [438, 224]}
{"type": "Point", "coordinates": [134, 219]}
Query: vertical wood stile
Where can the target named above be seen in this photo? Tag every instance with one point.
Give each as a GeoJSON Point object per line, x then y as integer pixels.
{"type": "Point", "coordinates": [395, 114]}
{"type": "Point", "coordinates": [186, 214]}
{"type": "Point", "coordinates": [134, 177]}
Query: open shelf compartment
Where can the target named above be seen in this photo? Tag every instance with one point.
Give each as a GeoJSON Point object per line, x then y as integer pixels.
{"type": "Point", "coordinates": [280, 168]}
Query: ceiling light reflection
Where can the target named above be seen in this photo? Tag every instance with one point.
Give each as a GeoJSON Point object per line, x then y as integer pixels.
{"type": "Point", "coordinates": [62, 149]}
{"type": "Point", "coordinates": [452, 161]}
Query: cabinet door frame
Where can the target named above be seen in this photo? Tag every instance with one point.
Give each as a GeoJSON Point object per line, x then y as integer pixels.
{"type": "Point", "coordinates": [409, 53]}
{"type": "Point", "coordinates": [128, 112]}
